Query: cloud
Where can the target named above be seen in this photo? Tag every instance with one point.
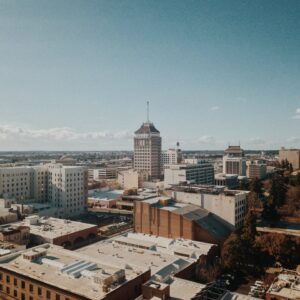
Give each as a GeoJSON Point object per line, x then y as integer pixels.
{"type": "Point", "coordinates": [297, 114]}
{"type": "Point", "coordinates": [215, 107]}
{"type": "Point", "coordinates": [293, 140]}
{"type": "Point", "coordinates": [207, 139]}
{"type": "Point", "coordinates": [256, 141]}
{"type": "Point", "coordinates": [8, 132]}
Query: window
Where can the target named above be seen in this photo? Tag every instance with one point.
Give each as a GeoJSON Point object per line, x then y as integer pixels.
{"type": "Point", "coordinates": [39, 291]}
{"type": "Point", "coordinates": [23, 284]}
{"type": "Point", "coordinates": [7, 290]}
{"type": "Point", "coordinates": [15, 293]}
{"type": "Point", "coordinates": [7, 279]}
{"type": "Point", "coordinates": [57, 297]}
{"type": "Point", "coordinates": [30, 287]}
{"type": "Point", "coordinates": [23, 297]}
{"type": "Point", "coordinates": [48, 295]}
{"type": "Point", "coordinates": [15, 281]}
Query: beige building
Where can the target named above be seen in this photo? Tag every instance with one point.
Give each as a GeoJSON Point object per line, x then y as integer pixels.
{"type": "Point", "coordinates": [199, 173]}
{"type": "Point", "coordinates": [51, 272]}
{"type": "Point", "coordinates": [65, 187]}
{"type": "Point", "coordinates": [256, 170]}
{"type": "Point", "coordinates": [128, 179]}
{"type": "Point", "coordinates": [234, 161]}
{"type": "Point", "coordinates": [292, 155]}
{"type": "Point", "coordinates": [229, 205]}
{"type": "Point", "coordinates": [147, 151]}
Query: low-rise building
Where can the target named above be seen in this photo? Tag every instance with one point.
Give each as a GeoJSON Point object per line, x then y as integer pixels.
{"type": "Point", "coordinates": [51, 272]}
{"type": "Point", "coordinates": [228, 180]}
{"type": "Point", "coordinates": [66, 233]}
{"type": "Point", "coordinates": [165, 217]}
{"type": "Point", "coordinates": [230, 206]}
{"type": "Point", "coordinates": [256, 170]}
{"type": "Point", "coordinates": [200, 173]}
{"type": "Point", "coordinates": [165, 257]}
{"type": "Point", "coordinates": [105, 197]}
{"type": "Point", "coordinates": [286, 286]}
{"type": "Point", "coordinates": [102, 173]}
{"type": "Point", "coordinates": [17, 234]}
{"type": "Point", "coordinates": [128, 179]}
{"type": "Point", "coordinates": [291, 155]}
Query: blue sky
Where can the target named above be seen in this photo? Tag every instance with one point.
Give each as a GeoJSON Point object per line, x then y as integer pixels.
{"type": "Point", "coordinates": [76, 75]}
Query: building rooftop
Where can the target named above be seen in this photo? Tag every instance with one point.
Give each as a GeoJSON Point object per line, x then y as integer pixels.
{"type": "Point", "coordinates": [105, 194]}
{"type": "Point", "coordinates": [51, 228]}
{"type": "Point", "coordinates": [234, 149]}
{"type": "Point", "coordinates": [181, 289]}
{"type": "Point", "coordinates": [193, 212]}
{"type": "Point", "coordinates": [147, 128]}
{"type": "Point", "coordinates": [162, 255]}
{"type": "Point", "coordinates": [207, 189]}
{"type": "Point", "coordinates": [69, 270]}
{"type": "Point", "coordinates": [286, 285]}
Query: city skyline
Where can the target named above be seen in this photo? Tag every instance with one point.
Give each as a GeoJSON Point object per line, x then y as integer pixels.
{"type": "Point", "coordinates": [76, 75]}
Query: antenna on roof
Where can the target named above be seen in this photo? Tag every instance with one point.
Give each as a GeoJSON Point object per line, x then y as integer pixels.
{"type": "Point", "coordinates": [147, 111]}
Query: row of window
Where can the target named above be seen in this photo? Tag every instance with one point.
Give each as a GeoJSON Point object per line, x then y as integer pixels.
{"type": "Point", "coordinates": [39, 290]}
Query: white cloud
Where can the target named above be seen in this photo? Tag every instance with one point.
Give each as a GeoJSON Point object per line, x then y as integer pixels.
{"type": "Point", "coordinates": [207, 139]}
{"type": "Point", "coordinates": [215, 107]}
{"type": "Point", "coordinates": [256, 141]}
{"type": "Point", "coordinates": [8, 132]}
{"type": "Point", "coordinates": [297, 114]}
{"type": "Point", "coordinates": [293, 140]}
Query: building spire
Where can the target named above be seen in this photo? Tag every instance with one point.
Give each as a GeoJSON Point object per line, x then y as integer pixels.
{"type": "Point", "coordinates": [147, 111]}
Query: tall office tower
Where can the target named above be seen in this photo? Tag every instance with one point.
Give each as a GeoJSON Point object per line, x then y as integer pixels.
{"type": "Point", "coordinates": [234, 161]}
{"type": "Point", "coordinates": [147, 151]}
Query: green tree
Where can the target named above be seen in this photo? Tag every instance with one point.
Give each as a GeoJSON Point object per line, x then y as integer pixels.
{"type": "Point", "coordinates": [278, 190]}
{"type": "Point", "coordinates": [256, 187]}
{"type": "Point", "coordinates": [270, 213]}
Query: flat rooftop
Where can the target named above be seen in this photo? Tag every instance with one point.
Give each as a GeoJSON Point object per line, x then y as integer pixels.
{"type": "Point", "coordinates": [193, 212]}
{"type": "Point", "coordinates": [181, 289]}
{"type": "Point", "coordinates": [286, 285]}
{"type": "Point", "coordinates": [68, 270]}
{"type": "Point", "coordinates": [51, 228]}
{"type": "Point", "coordinates": [105, 194]}
{"type": "Point", "coordinates": [162, 255]}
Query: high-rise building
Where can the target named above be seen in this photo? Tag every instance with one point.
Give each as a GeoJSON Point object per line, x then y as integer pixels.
{"type": "Point", "coordinates": [234, 161]}
{"type": "Point", "coordinates": [147, 151]}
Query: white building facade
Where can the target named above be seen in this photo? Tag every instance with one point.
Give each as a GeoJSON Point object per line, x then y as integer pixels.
{"type": "Point", "coordinates": [229, 205]}
{"type": "Point", "coordinates": [65, 187]}
{"type": "Point", "coordinates": [200, 173]}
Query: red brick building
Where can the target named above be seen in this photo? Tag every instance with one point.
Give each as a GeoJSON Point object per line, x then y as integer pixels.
{"type": "Point", "coordinates": [167, 218]}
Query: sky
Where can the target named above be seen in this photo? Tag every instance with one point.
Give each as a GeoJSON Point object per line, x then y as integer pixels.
{"type": "Point", "coordinates": [76, 75]}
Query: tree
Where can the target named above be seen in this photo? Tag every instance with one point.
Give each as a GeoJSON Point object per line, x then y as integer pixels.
{"type": "Point", "coordinates": [231, 253]}
{"type": "Point", "coordinates": [278, 190]}
{"type": "Point", "coordinates": [293, 199]}
{"type": "Point", "coordinates": [256, 187]}
{"type": "Point", "coordinates": [249, 229]}
{"type": "Point", "coordinates": [270, 213]}
{"type": "Point", "coordinates": [280, 248]}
